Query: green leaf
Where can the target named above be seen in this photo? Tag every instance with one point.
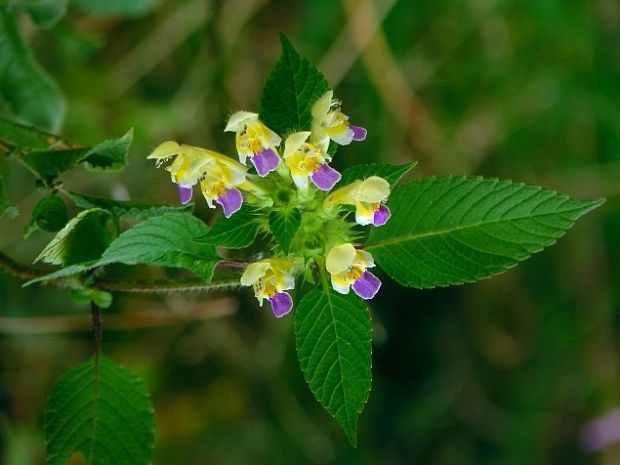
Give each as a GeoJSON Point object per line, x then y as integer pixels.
{"type": "Point", "coordinates": [44, 13]}
{"type": "Point", "coordinates": [453, 230]}
{"type": "Point", "coordinates": [110, 154]}
{"type": "Point", "coordinates": [6, 207]}
{"type": "Point", "coordinates": [75, 269]}
{"type": "Point", "coordinates": [291, 89]}
{"type": "Point", "coordinates": [29, 91]}
{"type": "Point", "coordinates": [125, 208]}
{"type": "Point", "coordinates": [333, 346]}
{"type": "Point", "coordinates": [166, 240]}
{"type": "Point", "coordinates": [235, 232]}
{"type": "Point", "coordinates": [101, 410]}
{"type": "Point", "coordinates": [391, 173]}
{"type": "Point", "coordinates": [283, 225]}
{"type": "Point", "coordinates": [49, 214]}
{"type": "Point", "coordinates": [116, 7]}
{"type": "Point", "coordinates": [84, 238]}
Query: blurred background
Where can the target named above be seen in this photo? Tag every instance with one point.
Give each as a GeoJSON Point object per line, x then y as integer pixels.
{"type": "Point", "coordinates": [522, 368]}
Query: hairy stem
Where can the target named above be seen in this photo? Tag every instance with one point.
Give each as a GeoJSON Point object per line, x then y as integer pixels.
{"type": "Point", "coordinates": [95, 315]}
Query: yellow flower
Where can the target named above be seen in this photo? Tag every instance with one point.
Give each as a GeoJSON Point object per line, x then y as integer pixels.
{"type": "Point", "coordinates": [328, 122]}
{"type": "Point", "coordinates": [219, 175]}
{"type": "Point", "coordinates": [348, 268]}
{"type": "Point", "coordinates": [255, 140]}
{"type": "Point", "coordinates": [308, 161]}
{"type": "Point", "coordinates": [269, 279]}
{"type": "Point", "coordinates": [368, 197]}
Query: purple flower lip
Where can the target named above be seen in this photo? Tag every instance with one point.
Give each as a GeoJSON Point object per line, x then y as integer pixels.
{"type": "Point", "coordinates": [281, 304]}
{"type": "Point", "coordinates": [358, 132]}
{"type": "Point", "coordinates": [381, 215]}
{"type": "Point", "coordinates": [185, 193]}
{"type": "Point", "coordinates": [325, 177]}
{"type": "Point", "coordinates": [265, 161]}
{"type": "Point", "coordinates": [230, 200]}
{"type": "Point", "coordinates": [367, 285]}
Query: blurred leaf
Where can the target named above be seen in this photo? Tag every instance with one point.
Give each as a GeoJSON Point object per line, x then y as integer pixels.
{"type": "Point", "coordinates": [83, 295]}
{"type": "Point", "coordinates": [44, 13]}
{"type": "Point", "coordinates": [6, 207]}
{"type": "Point", "coordinates": [452, 230]}
{"type": "Point", "coordinates": [291, 88]}
{"type": "Point", "coordinates": [50, 214]}
{"type": "Point", "coordinates": [166, 240]}
{"type": "Point", "coordinates": [110, 154]}
{"type": "Point", "coordinates": [283, 225]}
{"type": "Point", "coordinates": [29, 91]}
{"type": "Point", "coordinates": [84, 238]}
{"type": "Point", "coordinates": [391, 173]}
{"type": "Point", "coordinates": [125, 208]}
{"type": "Point", "coordinates": [24, 137]}
{"type": "Point", "coordinates": [116, 7]}
{"type": "Point", "coordinates": [235, 232]}
{"type": "Point", "coordinates": [333, 346]}
{"type": "Point", "coordinates": [101, 410]}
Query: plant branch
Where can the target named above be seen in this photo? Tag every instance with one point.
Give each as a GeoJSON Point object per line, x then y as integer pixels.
{"type": "Point", "coordinates": [95, 315]}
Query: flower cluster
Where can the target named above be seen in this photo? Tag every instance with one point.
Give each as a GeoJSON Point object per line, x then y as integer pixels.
{"type": "Point", "coordinates": [301, 170]}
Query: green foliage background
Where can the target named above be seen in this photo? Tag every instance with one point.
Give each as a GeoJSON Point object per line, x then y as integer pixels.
{"type": "Point", "coordinates": [505, 371]}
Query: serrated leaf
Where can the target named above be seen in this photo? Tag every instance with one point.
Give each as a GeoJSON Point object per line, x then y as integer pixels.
{"type": "Point", "coordinates": [235, 232]}
{"type": "Point", "coordinates": [391, 173]}
{"type": "Point", "coordinates": [283, 224]}
{"type": "Point", "coordinates": [49, 214]}
{"type": "Point", "coordinates": [6, 207]}
{"type": "Point", "coordinates": [453, 230]}
{"type": "Point", "coordinates": [101, 410]}
{"type": "Point", "coordinates": [44, 13]}
{"type": "Point", "coordinates": [333, 335]}
{"type": "Point", "coordinates": [110, 154]}
{"type": "Point", "coordinates": [84, 238]}
{"type": "Point", "coordinates": [291, 89]}
{"type": "Point", "coordinates": [31, 94]}
{"type": "Point", "coordinates": [166, 240]}
{"type": "Point", "coordinates": [125, 208]}
{"type": "Point", "coordinates": [65, 272]}
{"type": "Point", "coordinates": [116, 7]}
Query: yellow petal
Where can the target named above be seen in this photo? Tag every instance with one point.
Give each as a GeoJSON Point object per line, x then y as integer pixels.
{"type": "Point", "coordinates": [373, 189]}
{"type": "Point", "coordinates": [254, 272]}
{"type": "Point", "coordinates": [238, 119]}
{"type": "Point", "coordinates": [340, 258]}
{"type": "Point", "coordinates": [165, 150]}
{"type": "Point", "coordinates": [294, 142]}
{"type": "Point", "coordinates": [321, 106]}
{"type": "Point", "coordinates": [344, 195]}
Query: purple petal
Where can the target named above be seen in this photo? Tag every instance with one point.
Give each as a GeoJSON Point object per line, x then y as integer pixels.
{"type": "Point", "coordinates": [265, 161]}
{"type": "Point", "coordinates": [281, 304]}
{"type": "Point", "coordinates": [185, 193]}
{"type": "Point", "coordinates": [601, 432]}
{"type": "Point", "coordinates": [230, 201]}
{"type": "Point", "coordinates": [325, 177]}
{"type": "Point", "coordinates": [381, 215]}
{"type": "Point", "coordinates": [359, 133]}
{"type": "Point", "coordinates": [367, 285]}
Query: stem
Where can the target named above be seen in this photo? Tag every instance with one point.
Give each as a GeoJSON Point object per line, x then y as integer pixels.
{"type": "Point", "coordinates": [95, 314]}
{"type": "Point", "coordinates": [19, 271]}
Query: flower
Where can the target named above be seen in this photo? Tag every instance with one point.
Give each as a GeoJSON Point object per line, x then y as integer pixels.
{"type": "Point", "coordinates": [269, 278]}
{"type": "Point", "coordinates": [369, 198]}
{"type": "Point", "coordinates": [328, 122]}
{"type": "Point", "coordinates": [255, 140]}
{"type": "Point", "coordinates": [307, 160]}
{"type": "Point", "coordinates": [219, 176]}
{"type": "Point", "coordinates": [348, 268]}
